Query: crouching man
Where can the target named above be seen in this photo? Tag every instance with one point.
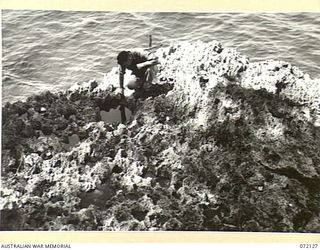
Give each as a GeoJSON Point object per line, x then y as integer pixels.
{"type": "Point", "coordinates": [143, 67]}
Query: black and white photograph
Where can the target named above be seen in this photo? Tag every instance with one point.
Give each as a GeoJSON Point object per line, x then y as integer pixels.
{"type": "Point", "coordinates": [160, 121]}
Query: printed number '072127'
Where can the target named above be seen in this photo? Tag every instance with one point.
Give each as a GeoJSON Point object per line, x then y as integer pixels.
{"type": "Point", "coordinates": [310, 246]}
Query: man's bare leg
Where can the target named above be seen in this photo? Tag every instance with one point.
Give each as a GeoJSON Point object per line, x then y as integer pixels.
{"type": "Point", "coordinates": [151, 76]}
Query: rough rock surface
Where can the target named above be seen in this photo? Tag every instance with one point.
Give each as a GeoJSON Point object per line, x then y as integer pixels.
{"type": "Point", "coordinates": [222, 144]}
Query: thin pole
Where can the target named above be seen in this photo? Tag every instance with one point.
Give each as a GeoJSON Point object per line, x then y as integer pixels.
{"type": "Point", "coordinates": [123, 112]}
{"type": "Point", "coordinates": [122, 100]}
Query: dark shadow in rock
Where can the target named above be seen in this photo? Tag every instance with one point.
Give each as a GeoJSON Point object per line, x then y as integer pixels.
{"type": "Point", "coordinates": [10, 220]}
{"type": "Point", "coordinates": [155, 89]}
{"type": "Point", "coordinates": [301, 219]}
{"type": "Point", "coordinates": [116, 169]}
{"type": "Point", "coordinates": [139, 214]}
{"type": "Point", "coordinates": [97, 197]}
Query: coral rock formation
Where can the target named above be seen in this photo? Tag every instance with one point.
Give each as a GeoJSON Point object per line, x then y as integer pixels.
{"type": "Point", "coordinates": [222, 144]}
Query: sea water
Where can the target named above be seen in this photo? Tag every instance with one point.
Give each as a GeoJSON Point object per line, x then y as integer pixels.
{"type": "Point", "coordinates": [51, 50]}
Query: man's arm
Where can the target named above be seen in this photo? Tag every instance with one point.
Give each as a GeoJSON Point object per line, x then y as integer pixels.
{"type": "Point", "coordinates": [148, 63]}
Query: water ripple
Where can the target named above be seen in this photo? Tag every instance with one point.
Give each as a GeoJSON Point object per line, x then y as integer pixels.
{"type": "Point", "coordinates": [51, 50]}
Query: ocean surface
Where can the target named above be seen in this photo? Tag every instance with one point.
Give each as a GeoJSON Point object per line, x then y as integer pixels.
{"type": "Point", "coordinates": [51, 50]}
